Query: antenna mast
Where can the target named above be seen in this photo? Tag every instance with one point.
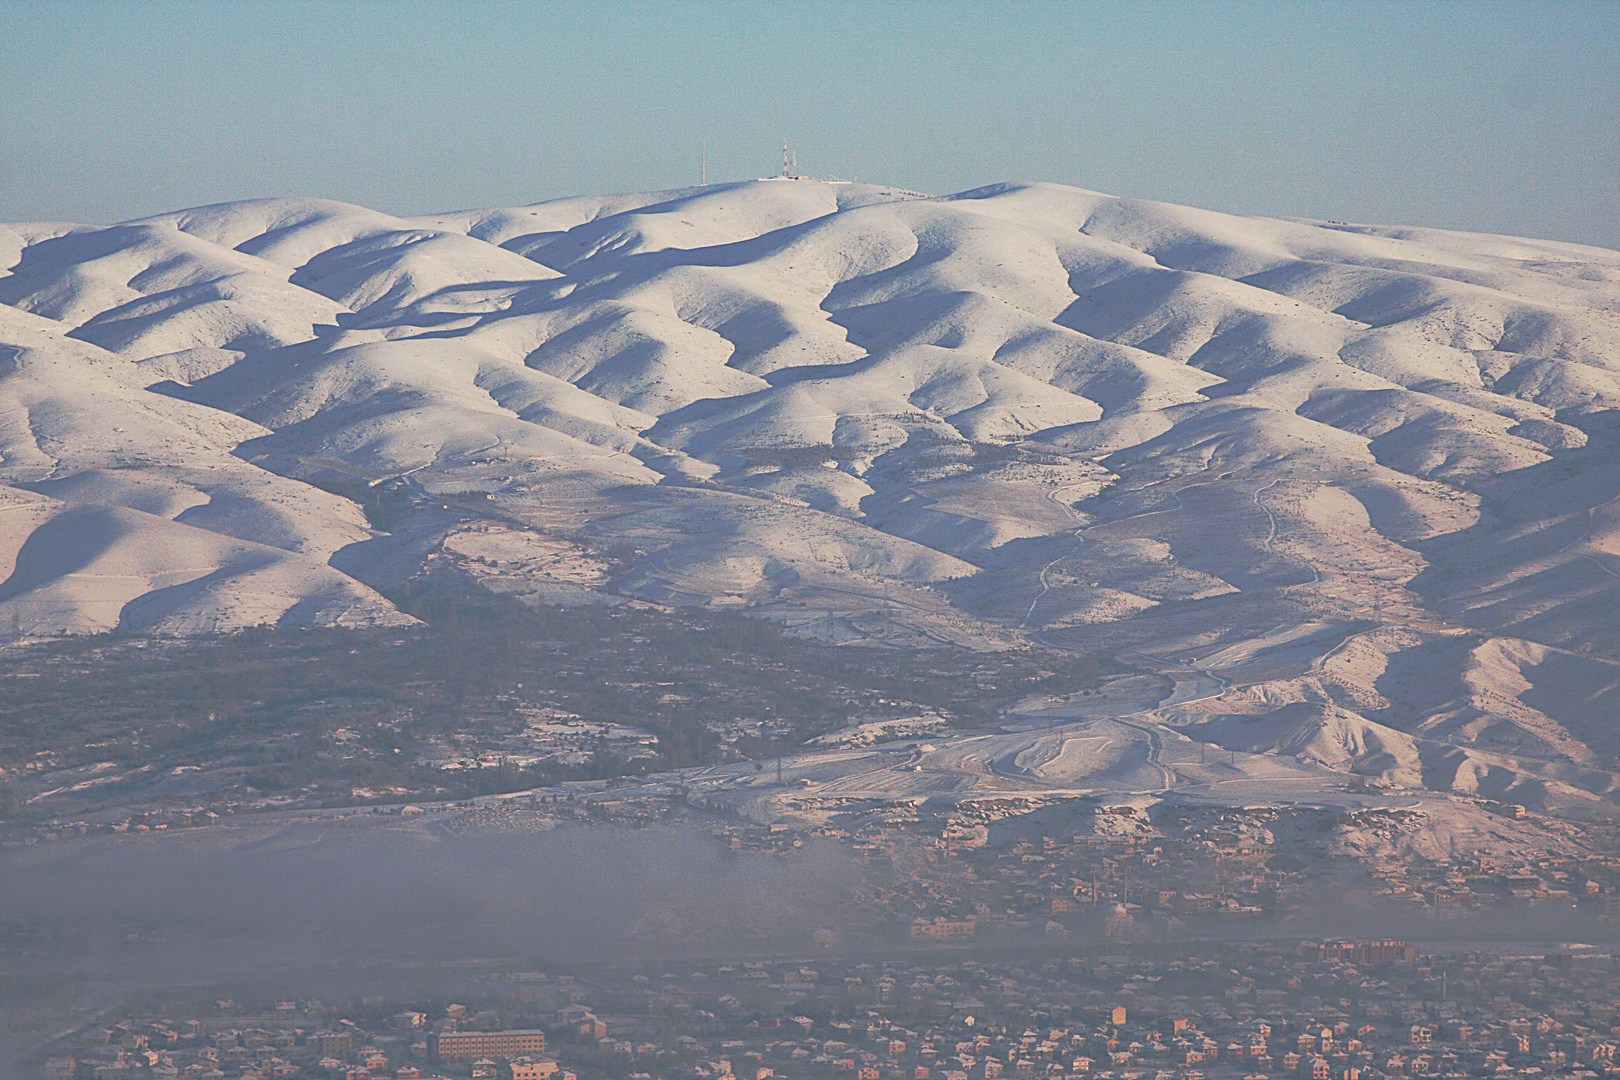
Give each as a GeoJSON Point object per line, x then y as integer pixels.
{"type": "Point", "coordinates": [703, 169]}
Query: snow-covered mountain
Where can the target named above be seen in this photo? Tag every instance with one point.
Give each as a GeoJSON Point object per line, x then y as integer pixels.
{"type": "Point", "coordinates": [1365, 472]}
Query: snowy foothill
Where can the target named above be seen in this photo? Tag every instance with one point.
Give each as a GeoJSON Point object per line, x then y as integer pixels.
{"type": "Point", "coordinates": [1346, 489]}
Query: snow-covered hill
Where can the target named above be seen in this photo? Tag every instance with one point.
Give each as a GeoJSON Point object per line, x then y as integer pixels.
{"type": "Point", "coordinates": [1367, 470]}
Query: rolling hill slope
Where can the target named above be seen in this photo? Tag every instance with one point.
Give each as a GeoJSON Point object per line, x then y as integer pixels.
{"type": "Point", "coordinates": [1363, 476]}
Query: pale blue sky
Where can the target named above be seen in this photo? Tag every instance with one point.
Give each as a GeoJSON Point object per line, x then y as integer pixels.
{"type": "Point", "coordinates": [1501, 117]}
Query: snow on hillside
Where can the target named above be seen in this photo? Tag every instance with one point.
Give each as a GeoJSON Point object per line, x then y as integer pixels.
{"type": "Point", "coordinates": [1358, 477]}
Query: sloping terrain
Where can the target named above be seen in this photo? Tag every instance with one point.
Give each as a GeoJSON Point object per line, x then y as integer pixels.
{"type": "Point", "coordinates": [1357, 479]}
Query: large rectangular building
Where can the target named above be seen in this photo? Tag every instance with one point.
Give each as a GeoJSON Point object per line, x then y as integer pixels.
{"type": "Point", "coordinates": [943, 929]}
{"type": "Point", "coordinates": [1363, 953]}
{"type": "Point", "coordinates": [450, 1046]}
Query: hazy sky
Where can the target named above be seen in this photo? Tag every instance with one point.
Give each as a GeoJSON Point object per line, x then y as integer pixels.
{"type": "Point", "coordinates": [1502, 117]}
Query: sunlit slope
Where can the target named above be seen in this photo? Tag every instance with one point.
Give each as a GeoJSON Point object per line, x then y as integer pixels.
{"type": "Point", "coordinates": [125, 509]}
{"type": "Point", "coordinates": [1360, 470]}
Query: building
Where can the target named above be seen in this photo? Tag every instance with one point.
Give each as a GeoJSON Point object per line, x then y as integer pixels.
{"type": "Point", "coordinates": [454, 1046]}
{"type": "Point", "coordinates": [1362, 953]}
{"type": "Point", "coordinates": [333, 1043]}
{"type": "Point", "coordinates": [408, 1021]}
{"type": "Point", "coordinates": [527, 1068]}
{"type": "Point", "coordinates": [943, 929]}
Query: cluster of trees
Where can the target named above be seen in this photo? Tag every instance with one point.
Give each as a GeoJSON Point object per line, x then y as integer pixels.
{"type": "Point", "coordinates": [331, 710]}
